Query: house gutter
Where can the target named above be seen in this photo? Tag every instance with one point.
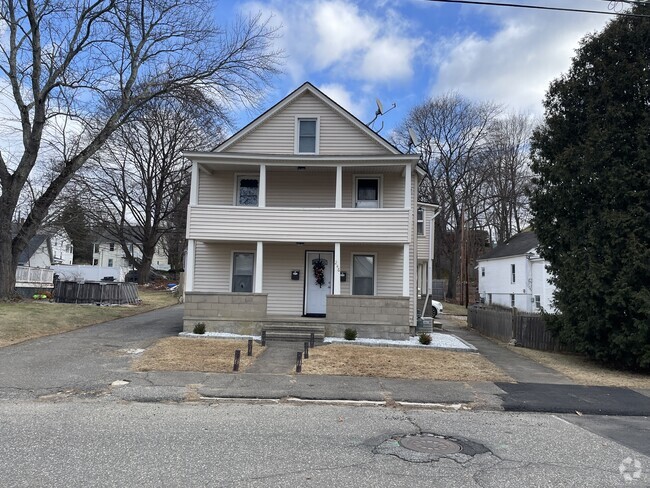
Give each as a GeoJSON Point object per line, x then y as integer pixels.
{"type": "Point", "coordinates": [432, 230]}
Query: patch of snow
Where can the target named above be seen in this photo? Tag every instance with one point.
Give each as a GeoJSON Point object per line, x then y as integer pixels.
{"type": "Point", "coordinates": [120, 383]}
{"type": "Point", "coordinates": [223, 335]}
{"type": "Point", "coordinates": [438, 341]}
{"type": "Point", "coordinates": [134, 351]}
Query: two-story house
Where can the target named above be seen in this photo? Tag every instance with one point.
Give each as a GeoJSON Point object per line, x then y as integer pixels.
{"type": "Point", "coordinates": [514, 275]}
{"type": "Point", "coordinates": [108, 253]}
{"type": "Point", "coordinates": [304, 216]}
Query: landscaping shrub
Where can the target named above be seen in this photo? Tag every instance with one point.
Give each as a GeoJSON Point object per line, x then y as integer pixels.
{"type": "Point", "coordinates": [350, 334]}
{"type": "Point", "coordinates": [199, 328]}
{"type": "Point", "coordinates": [425, 338]}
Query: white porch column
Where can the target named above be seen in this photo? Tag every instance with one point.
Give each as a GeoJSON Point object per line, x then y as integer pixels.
{"type": "Point", "coordinates": [189, 265]}
{"type": "Point", "coordinates": [339, 187]}
{"type": "Point", "coordinates": [259, 267]}
{"type": "Point", "coordinates": [261, 199]}
{"type": "Point", "coordinates": [337, 268]}
{"type": "Point", "coordinates": [194, 184]}
{"type": "Point", "coordinates": [406, 274]}
{"type": "Point", "coordinates": [408, 198]}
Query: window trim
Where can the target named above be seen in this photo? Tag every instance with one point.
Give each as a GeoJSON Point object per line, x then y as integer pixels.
{"type": "Point", "coordinates": [380, 189]}
{"type": "Point", "coordinates": [296, 141]}
{"type": "Point", "coordinates": [482, 271]}
{"type": "Point", "coordinates": [419, 221]}
{"type": "Point", "coordinates": [245, 176]}
{"type": "Point", "coordinates": [513, 273]}
{"type": "Point", "coordinates": [538, 302]}
{"type": "Point", "coordinates": [513, 300]}
{"type": "Point", "coordinates": [232, 269]}
{"type": "Point", "coordinates": [374, 273]}
{"type": "Point", "coordinates": [110, 263]}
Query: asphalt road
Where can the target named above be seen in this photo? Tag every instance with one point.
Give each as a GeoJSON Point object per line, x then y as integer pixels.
{"type": "Point", "coordinates": [110, 443]}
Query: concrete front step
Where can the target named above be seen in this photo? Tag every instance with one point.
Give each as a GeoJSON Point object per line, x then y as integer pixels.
{"type": "Point", "coordinates": [294, 333]}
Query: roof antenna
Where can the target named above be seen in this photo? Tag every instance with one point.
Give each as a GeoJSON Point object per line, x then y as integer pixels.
{"type": "Point", "coordinates": [380, 111]}
{"type": "Point", "coordinates": [413, 140]}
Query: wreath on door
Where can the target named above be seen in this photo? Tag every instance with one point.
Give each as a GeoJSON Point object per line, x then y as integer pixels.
{"type": "Point", "coordinates": [319, 271]}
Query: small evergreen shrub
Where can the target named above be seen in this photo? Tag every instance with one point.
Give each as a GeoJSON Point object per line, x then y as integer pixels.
{"type": "Point", "coordinates": [350, 334]}
{"type": "Point", "coordinates": [425, 338]}
{"type": "Point", "coordinates": [199, 328]}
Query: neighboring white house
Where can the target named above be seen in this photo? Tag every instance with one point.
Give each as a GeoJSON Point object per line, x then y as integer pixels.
{"type": "Point", "coordinates": [109, 254]}
{"type": "Point", "coordinates": [303, 216]}
{"type": "Point", "coordinates": [514, 275]}
{"type": "Point", "coordinates": [47, 248]}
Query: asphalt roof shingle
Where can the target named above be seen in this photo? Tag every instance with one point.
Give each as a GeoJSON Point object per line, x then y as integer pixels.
{"type": "Point", "coordinates": [515, 246]}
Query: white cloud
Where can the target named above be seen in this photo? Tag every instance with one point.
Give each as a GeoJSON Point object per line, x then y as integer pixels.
{"type": "Point", "coordinates": [515, 65]}
{"type": "Point", "coordinates": [338, 37]}
{"type": "Point", "coordinates": [342, 96]}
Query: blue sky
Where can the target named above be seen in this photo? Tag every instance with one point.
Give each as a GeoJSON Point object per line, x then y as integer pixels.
{"type": "Point", "coordinates": [405, 51]}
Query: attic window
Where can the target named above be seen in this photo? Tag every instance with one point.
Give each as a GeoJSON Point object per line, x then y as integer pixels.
{"type": "Point", "coordinates": [307, 137]}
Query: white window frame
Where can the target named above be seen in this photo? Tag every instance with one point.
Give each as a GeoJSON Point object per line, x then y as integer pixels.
{"type": "Point", "coordinates": [538, 302]}
{"type": "Point", "coordinates": [374, 271]}
{"type": "Point", "coordinates": [296, 143]}
{"type": "Point", "coordinates": [513, 273]}
{"type": "Point", "coordinates": [110, 262]}
{"type": "Point", "coordinates": [245, 176]}
{"type": "Point", "coordinates": [380, 189]}
{"type": "Point", "coordinates": [482, 271]}
{"type": "Point", "coordinates": [513, 300]}
{"type": "Point", "coordinates": [111, 246]}
{"type": "Point", "coordinates": [419, 221]}
{"type": "Point", "coordinates": [232, 268]}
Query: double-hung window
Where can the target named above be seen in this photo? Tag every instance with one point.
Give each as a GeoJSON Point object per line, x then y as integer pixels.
{"type": "Point", "coordinates": [307, 136]}
{"type": "Point", "coordinates": [367, 192]}
{"type": "Point", "coordinates": [420, 221]}
{"type": "Point", "coordinates": [513, 274]}
{"type": "Point", "coordinates": [363, 274]}
{"type": "Point", "coordinates": [242, 272]}
{"type": "Point", "coordinates": [248, 188]}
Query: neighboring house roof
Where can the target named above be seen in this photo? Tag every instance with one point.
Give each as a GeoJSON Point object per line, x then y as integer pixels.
{"type": "Point", "coordinates": [34, 244]}
{"type": "Point", "coordinates": [519, 244]}
{"type": "Point", "coordinates": [306, 87]}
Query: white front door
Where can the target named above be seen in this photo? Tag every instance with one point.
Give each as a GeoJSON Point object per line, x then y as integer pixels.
{"type": "Point", "coordinates": [318, 281]}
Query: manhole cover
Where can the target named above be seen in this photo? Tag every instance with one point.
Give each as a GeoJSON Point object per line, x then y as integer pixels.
{"type": "Point", "coordinates": [430, 444]}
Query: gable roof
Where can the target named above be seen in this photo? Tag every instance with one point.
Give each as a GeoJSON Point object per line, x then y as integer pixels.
{"type": "Point", "coordinates": [32, 246]}
{"type": "Point", "coordinates": [306, 88]}
{"type": "Point", "coordinates": [519, 244]}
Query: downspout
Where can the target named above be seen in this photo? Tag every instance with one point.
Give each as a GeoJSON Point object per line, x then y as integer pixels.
{"type": "Point", "coordinates": [432, 231]}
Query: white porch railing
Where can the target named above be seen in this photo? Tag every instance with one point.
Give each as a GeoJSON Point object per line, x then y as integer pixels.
{"type": "Point", "coordinates": [27, 276]}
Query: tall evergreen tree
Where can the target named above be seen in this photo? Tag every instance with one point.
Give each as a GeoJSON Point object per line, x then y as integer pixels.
{"type": "Point", "coordinates": [591, 202]}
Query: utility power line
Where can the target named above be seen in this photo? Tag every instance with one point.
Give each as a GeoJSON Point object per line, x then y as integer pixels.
{"type": "Point", "coordinates": [556, 9]}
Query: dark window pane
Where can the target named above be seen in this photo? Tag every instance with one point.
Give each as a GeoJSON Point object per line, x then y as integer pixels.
{"type": "Point", "coordinates": [364, 275]}
{"type": "Point", "coordinates": [368, 190]}
{"type": "Point", "coordinates": [307, 136]}
{"type": "Point", "coordinates": [248, 191]}
{"type": "Point", "coordinates": [242, 279]}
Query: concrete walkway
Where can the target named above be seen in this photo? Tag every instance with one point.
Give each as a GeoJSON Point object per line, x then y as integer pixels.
{"type": "Point", "coordinates": [278, 358]}
{"type": "Point", "coordinates": [520, 368]}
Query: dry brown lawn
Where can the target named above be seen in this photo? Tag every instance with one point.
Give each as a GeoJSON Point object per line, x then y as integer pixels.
{"type": "Point", "coordinates": [30, 319]}
{"type": "Point", "coordinates": [585, 372]}
{"type": "Point", "coordinates": [453, 309]}
{"type": "Point", "coordinates": [205, 355]}
{"type": "Point", "coordinates": [401, 362]}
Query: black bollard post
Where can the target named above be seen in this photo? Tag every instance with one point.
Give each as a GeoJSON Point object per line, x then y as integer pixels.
{"type": "Point", "coordinates": [312, 340]}
{"type": "Point", "coordinates": [235, 366]}
{"type": "Point", "coordinates": [263, 338]}
{"type": "Point", "coordinates": [250, 347]}
{"type": "Point", "coordinates": [306, 354]}
{"type": "Point", "coordinates": [298, 362]}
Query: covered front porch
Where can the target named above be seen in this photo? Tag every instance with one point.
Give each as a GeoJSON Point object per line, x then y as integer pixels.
{"type": "Point", "coordinates": [245, 313]}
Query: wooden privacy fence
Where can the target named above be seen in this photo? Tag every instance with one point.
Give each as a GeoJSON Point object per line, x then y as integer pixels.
{"type": "Point", "coordinates": [101, 293]}
{"type": "Point", "coordinates": [528, 329]}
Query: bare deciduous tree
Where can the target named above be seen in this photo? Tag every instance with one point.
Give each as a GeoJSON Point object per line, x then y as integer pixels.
{"type": "Point", "coordinates": [453, 133]}
{"type": "Point", "coordinates": [139, 180]}
{"type": "Point", "coordinates": [76, 70]}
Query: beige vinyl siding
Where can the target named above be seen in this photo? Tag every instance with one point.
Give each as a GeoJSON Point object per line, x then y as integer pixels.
{"type": "Point", "coordinates": [285, 296]}
{"type": "Point", "coordinates": [388, 268]}
{"type": "Point", "coordinates": [218, 188]}
{"type": "Point", "coordinates": [423, 241]}
{"type": "Point", "coordinates": [391, 192]}
{"type": "Point", "coordinates": [300, 188]}
{"type": "Point", "coordinates": [214, 264]}
{"type": "Point", "coordinates": [337, 135]}
{"type": "Point", "coordinates": [228, 223]}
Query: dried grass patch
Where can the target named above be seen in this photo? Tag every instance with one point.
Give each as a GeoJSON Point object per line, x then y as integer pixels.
{"type": "Point", "coordinates": [401, 362]}
{"type": "Point", "coordinates": [30, 319]}
{"type": "Point", "coordinates": [585, 372]}
{"type": "Point", "coordinates": [204, 355]}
